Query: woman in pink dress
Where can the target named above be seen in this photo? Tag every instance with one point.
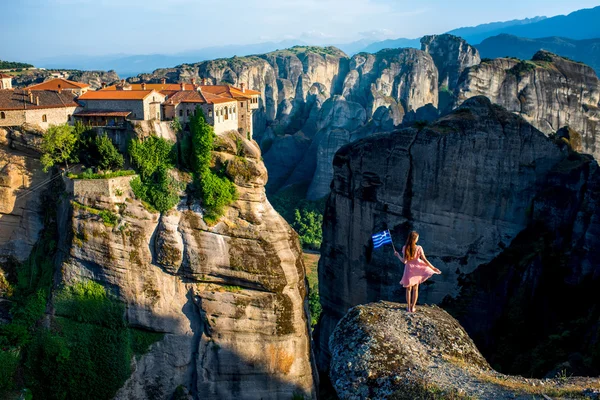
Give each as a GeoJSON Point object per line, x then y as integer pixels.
{"type": "Point", "coordinates": [417, 269]}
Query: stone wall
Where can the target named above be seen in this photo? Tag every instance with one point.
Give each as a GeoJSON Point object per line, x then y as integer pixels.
{"type": "Point", "coordinates": [116, 188]}
{"type": "Point", "coordinates": [54, 116]}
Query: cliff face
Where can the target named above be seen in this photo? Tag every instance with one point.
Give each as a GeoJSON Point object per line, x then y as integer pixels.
{"type": "Point", "coordinates": [317, 99]}
{"type": "Point", "coordinates": [230, 298]}
{"type": "Point", "coordinates": [92, 78]}
{"type": "Point", "coordinates": [21, 177]}
{"type": "Point", "coordinates": [379, 351]}
{"type": "Point", "coordinates": [452, 55]}
{"type": "Point", "coordinates": [467, 183]}
{"type": "Point", "coordinates": [549, 92]}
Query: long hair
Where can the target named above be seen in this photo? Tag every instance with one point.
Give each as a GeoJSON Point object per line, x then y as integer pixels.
{"type": "Point", "coordinates": [410, 249]}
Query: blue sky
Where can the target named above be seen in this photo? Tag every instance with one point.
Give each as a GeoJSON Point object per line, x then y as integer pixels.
{"type": "Point", "coordinates": [41, 28]}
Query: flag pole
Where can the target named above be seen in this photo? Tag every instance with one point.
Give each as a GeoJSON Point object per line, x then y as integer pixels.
{"type": "Point", "coordinates": [394, 247]}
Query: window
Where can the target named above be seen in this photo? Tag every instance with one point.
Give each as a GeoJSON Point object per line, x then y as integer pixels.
{"type": "Point", "coordinates": [44, 118]}
{"type": "Point", "coordinates": [188, 113]}
{"type": "Point", "coordinates": [69, 117]}
{"type": "Point", "coordinates": [210, 112]}
{"type": "Point", "coordinates": [2, 115]}
{"type": "Point", "coordinates": [181, 113]}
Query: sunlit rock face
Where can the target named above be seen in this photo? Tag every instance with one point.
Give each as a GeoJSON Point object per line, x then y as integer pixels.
{"type": "Point", "coordinates": [230, 298]}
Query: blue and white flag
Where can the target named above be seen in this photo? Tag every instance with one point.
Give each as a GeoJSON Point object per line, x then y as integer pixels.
{"type": "Point", "coordinates": [379, 239]}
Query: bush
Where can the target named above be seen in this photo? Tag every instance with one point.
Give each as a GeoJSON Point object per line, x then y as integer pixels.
{"type": "Point", "coordinates": [156, 186]}
{"type": "Point", "coordinates": [89, 174]}
{"type": "Point", "coordinates": [9, 359]}
{"type": "Point", "coordinates": [58, 145]}
{"type": "Point", "coordinates": [308, 224]}
{"type": "Point", "coordinates": [110, 158]}
{"type": "Point", "coordinates": [216, 191]}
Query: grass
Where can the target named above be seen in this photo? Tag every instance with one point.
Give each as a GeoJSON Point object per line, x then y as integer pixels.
{"type": "Point", "coordinates": [109, 218]}
{"type": "Point", "coordinates": [232, 289]}
{"type": "Point", "coordinates": [107, 175]}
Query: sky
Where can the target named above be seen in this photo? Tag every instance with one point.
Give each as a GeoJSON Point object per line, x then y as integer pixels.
{"type": "Point", "coordinates": [34, 29]}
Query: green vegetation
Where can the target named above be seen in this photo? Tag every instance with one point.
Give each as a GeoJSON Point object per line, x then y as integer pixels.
{"type": "Point", "coordinates": [14, 65]}
{"type": "Point", "coordinates": [323, 51]}
{"type": "Point", "coordinates": [89, 174]}
{"type": "Point", "coordinates": [110, 158]}
{"type": "Point", "coordinates": [522, 68]}
{"type": "Point", "coordinates": [154, 158]}
{"type": "Point", "coordinates": [216, 190]}
{"type": "Point", "coordinates": [109, 218]}
{"type": "Point", "coordinates": [311, 261]}
{"type": "Point", "coordinates": [305, 216]}
{"type": "Point", "coordinates": [58, 145]}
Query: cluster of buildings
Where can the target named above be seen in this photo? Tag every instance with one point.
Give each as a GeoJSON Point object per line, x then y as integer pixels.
{"type": "Point", "coordinates": [60, 101]}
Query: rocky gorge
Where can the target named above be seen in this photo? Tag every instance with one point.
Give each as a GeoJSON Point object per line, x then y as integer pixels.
{"type": "Point", "coordinates": [502, 261]}
{"type": "Point", "coordinates": [315, 100]}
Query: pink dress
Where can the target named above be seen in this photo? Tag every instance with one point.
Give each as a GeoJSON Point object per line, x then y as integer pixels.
{"type": "Point", "coordinates": [416, 271]}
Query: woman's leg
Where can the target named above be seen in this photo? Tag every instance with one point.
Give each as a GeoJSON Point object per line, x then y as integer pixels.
{"type": "Point", "coordinates": [415, 297]}
{"type": "Point", "coordinates": [408, 298]}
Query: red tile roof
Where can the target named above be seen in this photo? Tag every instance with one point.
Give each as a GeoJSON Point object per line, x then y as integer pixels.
{"type": "Point", "coordinates": [102, 113]}
{"type": "Point", "coordinates": [159, 87]}
{"type": "Point", "coordinates": [229, 91]}
{"type": "Point", "coordinates": [4, 76]}
{"type": "Point", "coordinates": [118, 95]}
{"type": "Point", "coordinates": [58, 83]}
{"type": "Point", "coordinates": [195, 96]}
{"type": "Point", "coordinates": [19, 100]}
{"type": "Point", "coordinates": [169, 88]}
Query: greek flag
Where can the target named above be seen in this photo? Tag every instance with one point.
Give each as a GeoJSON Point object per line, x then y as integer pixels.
{"type": "Point", "coordinates": [379, 239]}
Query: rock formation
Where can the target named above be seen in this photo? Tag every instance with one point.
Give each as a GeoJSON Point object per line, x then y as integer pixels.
{"type": "Point", "coordinates": [92, 78]}
{"type": "Point", "coordinates": [317, 99]}
{"type": "Point", "coordinates": [549, 92]}
{"type": "Point", "coordinates": [21, 180]}
{"type": "Point", "coordinates": [469, 184]}
{"type": "Point", "coordinates": [379, 351]}
{"type": "Point", "coordinates": [230, 298]}
{"type": "Point", "coordinates": [452, 55]}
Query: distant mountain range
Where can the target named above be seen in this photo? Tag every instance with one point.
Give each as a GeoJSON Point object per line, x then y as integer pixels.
{"type": "Point", "coordinates": [581, 24]}
{"type": "Point", "coordinates": [560, 33]}
{"type": "Point", "coordinates": [586, 51]}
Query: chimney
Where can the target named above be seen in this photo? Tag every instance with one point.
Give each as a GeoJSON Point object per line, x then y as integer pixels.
{"type": "Point", "coordinates": [143, 85]}
{"type": "Point", "coordinates": [203, 81]}
{"type": "Point", "coordinates": [59, 89]}
{"type": "Point", "coordinates": [243, 86]}
{"type": "Point", "coordinates": [37, 100]}
{"type": "Point", "coordinates": [182, 86]}
{"type": "Point", "coordinates": [193, 81]}
{"type": "Point", "coordinates": [30, 96]}
{"type": "Point", "coordinates": [103, 85]}
{"type": "Point", "coordinates": [163, 81]}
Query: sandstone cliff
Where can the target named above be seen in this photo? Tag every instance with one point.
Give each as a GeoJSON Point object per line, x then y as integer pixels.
{"type": "Point", "coordinates": [549, 92]}
{"type": "Point", "coordinates": [21, 181]}
{"type": "Point", "coordinates": [230, 298]}
{"type": "Point", "coordinates": [470, 184]}
{"type": "Point", "coordinates": [379, 351]}
{"type": "Point", "coordinates": [314, 100]}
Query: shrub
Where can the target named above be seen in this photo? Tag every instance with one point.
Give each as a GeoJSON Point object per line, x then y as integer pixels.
{"type": "Point", "coordinates": [9, 359]}
{"type": "Point", "coordinates": [58, 145]}
{"type": "Point", "coordinates": [156, 185]}
{"type": "Point", "coordinates": [89, 174]}
{"type": "Point", "coordinates": [110, 158]}
{"type": "Point", "coordinates": [308, 224]}
{"type": "Point", "coordinates": [216, 191]}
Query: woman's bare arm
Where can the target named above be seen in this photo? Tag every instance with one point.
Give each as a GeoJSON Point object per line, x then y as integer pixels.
{"type": "Point", "coordinates": [428, 263]}
{"type": "Point", "coordinates": [398, 255]}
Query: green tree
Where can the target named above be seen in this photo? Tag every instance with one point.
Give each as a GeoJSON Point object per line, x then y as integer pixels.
{"type": "Point", "coordinates": [151, 154]}
{"type": "Point", "coordinates": [110, 158]}
{"type": "Point", "coordinates": [57, 146]}
{"type": "Point", "coordinates": [308, 224]}
{"type": "Point", "coordinates": [217, 191]}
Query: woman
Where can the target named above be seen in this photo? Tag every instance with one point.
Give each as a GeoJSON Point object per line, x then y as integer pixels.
{"type": "Point", "coordinates": [417, 269]}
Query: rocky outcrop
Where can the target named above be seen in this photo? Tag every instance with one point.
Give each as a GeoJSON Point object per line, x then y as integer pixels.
{"type": "Point", "coordinates": [93, 78]}
{"type": "Point", "coordinates": [320, 99]}
{"type": "Point", "coordinates": [452, 55]}
{"type": "Point", "coordinates": [379, 351]}
{"type": "Point", "coordinates": [21, 184]}
{"type": "Point", "coordinates": [549, 92]}
{"type": "Point", "coordinates": [230, 298]}
{"type": "Point", "coordinates": [468, 183]}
